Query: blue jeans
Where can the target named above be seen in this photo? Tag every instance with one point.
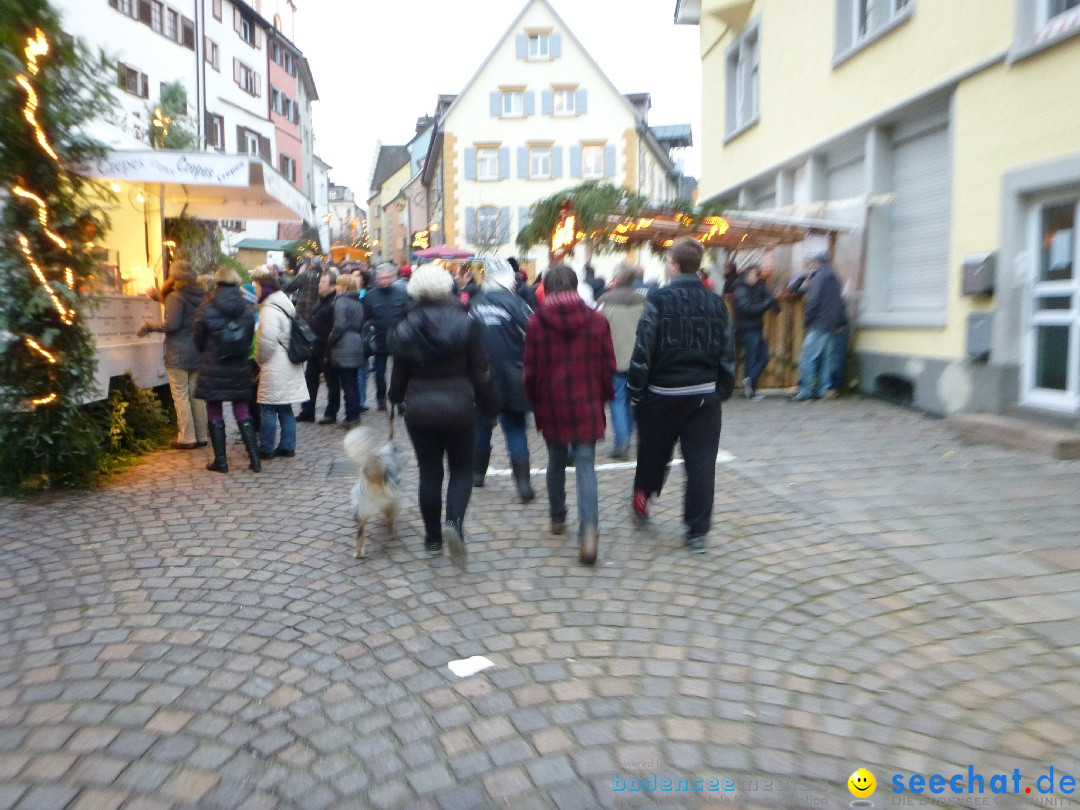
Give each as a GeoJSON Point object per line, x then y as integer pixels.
{"type": "Point", "coordinates": [813, 371]}
{"type": "Point", "coordinates": [756, 354]}
{"type": "Point", "coordinates": [585, 470]}
{"type": "Point", "coordinates": [271, 415]}
{"type": "Point", "coordinates": [380, 377]}
{"type": "Point", "coordinates": [350, 387]}
{"type": "Point", "coordinates": [622, 413]}
{"type": "Point", "coordinates": [362, 382]}
{"type": "Point", "coordinates": [513, 426]}
{"type": "Point", "coordinates": [836, 360]}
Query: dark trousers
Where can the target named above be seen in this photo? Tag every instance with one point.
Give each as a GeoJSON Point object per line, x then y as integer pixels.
{"type": "Point", "coordinates": [431, 444]}
{"type": "Point", "coordinates": [756, 353]}
{"type": "Point", "coordinates": [380, 377]}
{"type": "Point", "coordinates": [315, 367]}
{"type": "Point", "coordinates": [693, 421]}
{"type": "Point", "coordinates": [349, 378]}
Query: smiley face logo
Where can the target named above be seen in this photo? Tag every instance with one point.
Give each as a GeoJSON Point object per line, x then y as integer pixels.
{"type": "Point", "coordinates": [862, 783]}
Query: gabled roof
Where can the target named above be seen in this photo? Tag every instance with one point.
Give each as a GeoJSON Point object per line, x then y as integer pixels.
{"type": "Point", "coordinates": [389, 160]}
{"type": "Point", "coordinates": [573, 39]}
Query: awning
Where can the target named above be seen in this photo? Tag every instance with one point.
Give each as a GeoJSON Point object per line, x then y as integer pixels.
{"type": "Point", "coordinates": [208, 186]}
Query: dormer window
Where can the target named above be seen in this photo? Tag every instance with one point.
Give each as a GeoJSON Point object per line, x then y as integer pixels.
{"type": "Point", "coordinates": [539, 46]}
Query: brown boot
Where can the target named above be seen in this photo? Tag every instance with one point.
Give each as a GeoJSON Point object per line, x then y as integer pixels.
{"type": "Point", "coordinates": [589, 541]}
{"type": "Point", "coordinates": [558, 528]}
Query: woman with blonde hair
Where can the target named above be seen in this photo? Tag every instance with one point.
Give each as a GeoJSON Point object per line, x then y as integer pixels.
{"type": "Point", "coordinates": [441, 371]}
{"type": "Point", "coordinates": [281, 381]}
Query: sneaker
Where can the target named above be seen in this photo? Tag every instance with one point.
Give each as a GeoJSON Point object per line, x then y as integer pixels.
{"type": "Point", "coordinates": [699, 545]}
{"type": "Point", "coordinates": [620, 453]}
{"type": "Point", "coordinates": [802, 397]}
{"type": "Point", "coordinates": [748, 387]}
{"type": "Point", "coordinates": [306, 417]}
{"type": "Point", "coordinates": [382, 406]}
{"type": "Point", "coordinates": [433, 545]}
{"type": "Point", "coordinates": [454, 539]}
{"type": "Point", "coordinates": [641, 507]}
{"type": "Point", "coordinates": [328, 420]}
{"type": "Point", "coordinates": [832, 393]}
{"type": "Point", "coordinates": [282, 453]}
{"type": "Point", "coordinates": [587, 550]}
{"type": "Point", "coordinates": [558, 527]}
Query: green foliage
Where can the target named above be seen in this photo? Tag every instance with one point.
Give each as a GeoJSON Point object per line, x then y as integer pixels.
{"type": "Point", "coordinates": [55, 447]}
{"type": "Point", "coordinates": [137, 422]}
{"type": "Point", "coordinates": [197, 240]}
{"type": "Point", "coordinates": [177, 130]}
{"type": "Point", "coordinates": [231, 261]}
{"type": "Point", "coordinates": [595, 204]}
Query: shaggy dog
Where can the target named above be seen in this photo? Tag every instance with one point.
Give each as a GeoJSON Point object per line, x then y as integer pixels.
{"type": "Point", "coordinates": [378, 486]}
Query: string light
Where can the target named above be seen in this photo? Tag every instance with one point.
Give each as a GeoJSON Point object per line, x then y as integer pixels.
{"type": "Point", "coordinates": [29, 114]}
{"type": "Point", "coordinates": [66, 315]}
{"type": "Point", "coordinates": [45, 400]}
{"type": "Point", "coordinates": [43, 213]}
{"type": "Point", "coordinates": [33, 344]}
{"type": "Point", "coordinates": [69, 277]}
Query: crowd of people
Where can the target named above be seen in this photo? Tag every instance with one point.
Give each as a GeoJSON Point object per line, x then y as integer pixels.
{"type": "Point", "coordinates": [465, 357]}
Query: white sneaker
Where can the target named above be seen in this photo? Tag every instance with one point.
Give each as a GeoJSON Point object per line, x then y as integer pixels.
{"type": "Point", "coordinates": [748, 387]}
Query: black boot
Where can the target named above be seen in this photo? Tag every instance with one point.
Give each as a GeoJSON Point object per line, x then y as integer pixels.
{"type": "Point", "coordinates": [251, 444]}
{"type": "Point", "coordinates": [217, 441]}
{"type": "Point", "coordinates": [520, 466]}
{"type": "Point", "coordinates": [480, 465]}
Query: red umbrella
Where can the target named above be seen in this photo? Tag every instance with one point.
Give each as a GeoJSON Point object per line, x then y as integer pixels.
{"type": "Point", "coordinates": [443, 252]}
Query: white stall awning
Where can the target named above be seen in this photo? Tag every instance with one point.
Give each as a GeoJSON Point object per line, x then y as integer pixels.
{"type": "Point", "coordinates": [208, 186]}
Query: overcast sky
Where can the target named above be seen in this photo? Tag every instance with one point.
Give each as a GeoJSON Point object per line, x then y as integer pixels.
{"type": "Point", "coordinates": [380, 64]}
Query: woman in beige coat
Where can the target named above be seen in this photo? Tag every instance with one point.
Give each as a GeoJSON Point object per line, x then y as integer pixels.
{"type": "Point", "coordinates": [281, 382]}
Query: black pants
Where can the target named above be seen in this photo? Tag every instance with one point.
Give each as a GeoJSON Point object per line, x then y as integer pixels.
{"type": "Point", "coordinates": [349, 380]}
{"type": "Point", "coordinates": [431, 444]}
{"type": "Point", "coordinates": [380, 377]}
{"type": "Point", "coordinates": [315, 367]}
{"type": "Point", "coordinates": [694, 421]}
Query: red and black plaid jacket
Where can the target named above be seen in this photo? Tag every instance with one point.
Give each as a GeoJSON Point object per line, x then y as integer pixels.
{"type": "Point", "coordinates": [569, 369]}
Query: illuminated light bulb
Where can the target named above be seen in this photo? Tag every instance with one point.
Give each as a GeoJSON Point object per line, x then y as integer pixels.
{"type": "Point", "coordinates": [140, 197]}
{"type": "Point", "coordinates": [115, 187]}
{"type": "Point", "coordinates": [69, 277]}
{"type": "Point", "coordinates": [45, 400]}
{"type": "Point", "coordinates": [33, 344]}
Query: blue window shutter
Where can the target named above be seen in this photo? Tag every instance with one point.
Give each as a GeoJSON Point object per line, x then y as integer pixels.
{"type": "Point", "coordinates": [523, 162]}
{"type": "Point", "coordinates": [530, 102]}
{"type": "Point", "coordinates": [504, 162]}
{"type": "Point", "coordinates": [504, 224]}
{"type": "Point", "coordinates": [556, 45]}
{"type": "Point", "coordinates": [470, 163]}
{"type": "Point", "coordinates": [523, 217]}
{"type": "Point", "coordinates": [496, 103]}
{"type": "Point", "coordinates": [575, 161]}
{"type": "Point", "coordinates": [470, 225]}
{"type": "Point", "coordinates": [582, 102]}
{"type": "Point", "coordinates": [547, 103]}
{"type": "Point", "coordinates": [556, 161]}
{"type": "Point", "coordinates": [609, 161]}
{"type": "Point", "coordinates": [522, 46]}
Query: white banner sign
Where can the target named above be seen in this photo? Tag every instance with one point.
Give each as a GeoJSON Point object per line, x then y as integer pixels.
{"type": "Point", "coordinates": [184, 168]}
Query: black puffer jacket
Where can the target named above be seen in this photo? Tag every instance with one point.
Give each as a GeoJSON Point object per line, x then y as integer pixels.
{"type": "Point", "coordinates": [322, 322]}
{"type": "Point", "coordinates": [441, 367]}
{"type": "Point", "coordinates": [223, 380]}
{"type": "Point", "coordinates": [752, 301]}
{"type": "Point", "coordinates": [505, 316]}
{"type": "Point", "coordinates": [385, 307]}
{"type": "Point", "coordinates": [684, 342]}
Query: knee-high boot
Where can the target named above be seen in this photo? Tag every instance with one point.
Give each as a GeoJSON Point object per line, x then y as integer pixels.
{"type": "Point", "coordinates": [520, 466]}
{"type": "Point", "coordinates": [251, 444]}
{"type": "Point", "coordinates": [217, 441]}
{"type": "Point", "coordinates": [480, 465]}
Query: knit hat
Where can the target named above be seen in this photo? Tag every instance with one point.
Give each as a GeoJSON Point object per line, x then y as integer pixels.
{"type": "Point", "coordinates": [182, 271]}
{"type": "Point", "coordinates": [498, 271]}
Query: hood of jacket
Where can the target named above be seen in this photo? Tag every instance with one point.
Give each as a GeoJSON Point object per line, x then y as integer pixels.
{"type": "Point", "coordinates": [432, 332]}
{"type": "Point", "coordinates": [564, 312]}
{"type": "Point", "coordinates": [229, 300]}
{"type": "Point", "coordinates": [192, 295]}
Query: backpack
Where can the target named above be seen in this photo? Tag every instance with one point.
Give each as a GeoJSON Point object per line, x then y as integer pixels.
{"type": "Point", "coordinates": [233, 342]}
{"type": "Point", "coordinates": [301, 346]}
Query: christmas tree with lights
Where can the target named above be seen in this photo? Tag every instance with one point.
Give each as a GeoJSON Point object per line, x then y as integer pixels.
{"type": "Point", "coordinates": [49, 88]}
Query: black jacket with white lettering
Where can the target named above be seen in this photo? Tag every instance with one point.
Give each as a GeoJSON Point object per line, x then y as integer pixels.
{"type": "Point", "coordinates": [684, 342]}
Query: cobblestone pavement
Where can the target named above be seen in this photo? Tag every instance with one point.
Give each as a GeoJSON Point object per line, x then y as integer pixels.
{"type": "Point", "coordinates": [876, 594]}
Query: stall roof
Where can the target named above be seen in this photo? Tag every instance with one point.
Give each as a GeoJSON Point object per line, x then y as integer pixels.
{"type": "Point", "coordinates": [263, 244]}
{"type": "Point", "coordinates": [208, 186]}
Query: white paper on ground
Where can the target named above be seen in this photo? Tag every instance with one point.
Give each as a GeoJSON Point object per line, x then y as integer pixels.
{"type": "Point", "coordinates": [470, 666]}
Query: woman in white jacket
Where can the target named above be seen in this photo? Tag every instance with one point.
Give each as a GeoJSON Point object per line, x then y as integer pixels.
{"type": "Point", "coordinates": [281, 382]}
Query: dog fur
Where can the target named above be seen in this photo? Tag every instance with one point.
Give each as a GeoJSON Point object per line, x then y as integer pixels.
{"type": "Point", "coordinates": [378, 484]}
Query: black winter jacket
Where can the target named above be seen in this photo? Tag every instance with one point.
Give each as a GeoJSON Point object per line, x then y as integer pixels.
{"type": "Point", "coordinates": [223, 380]}
{"type": "Point", "coordinates": [684, 342]}
{"type": "Point", "coordinates": [824, 308]}
{"type": "Point", "coordinates": [751, 304]}
{"type": "Point", "coordinates": [385, 307]}
{"type": "Point", "coordinates": [505, 316]}
{"type": "Point", "coordinates": [441, 367]}
{"type": "Point", "coordinates": [322, 321]}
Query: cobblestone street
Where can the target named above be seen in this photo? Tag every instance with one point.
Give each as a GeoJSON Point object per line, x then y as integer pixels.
{"type": "Point", "coordinates": [876, 594]}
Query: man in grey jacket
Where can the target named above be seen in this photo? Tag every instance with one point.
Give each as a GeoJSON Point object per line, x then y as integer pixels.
{"type": "Point", "coordinates": [822, 315]}
{"type": "Point", "coordinates": [622, 306]}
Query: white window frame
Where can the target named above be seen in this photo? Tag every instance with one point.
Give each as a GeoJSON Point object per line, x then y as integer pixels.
{"type": "Point", "coordinates": [867, 21]}
{"type": "Point", "coordinates": [247, 31]}
{"type": "Point", "coordinates": [157, 12]}
{"type": "Point", "coordinates": [219, 128]}
{"type": "Point", "coordinates": [542, 50]}
{"type": "Point", "coordinates": [539, 162]}
{"type": "Point", "coordinates": [252, 143]}
{"type": "Point", "coordinates": [487, 224]}
{"type": "Point", "coordinates": [287, 166]}
{"type": "Point", "coordinates": [487, 163]}
{"type": "Point", "coordinates": [512, 103]}
{"type": "Point", "coordinates": [592, 161]}
{"type": "Point", "coordinates": [1049, 10]}
{"type": "Point", "coordinates": [568, 105]}
{"type": "Point", "coordinates": [247, 80]}
{"type": "Point", "coordinates": [742, 103]}
{"type": "Point", "coordinates": [126, 7]}
{"type": "Point", "coordinates": [172, 24]}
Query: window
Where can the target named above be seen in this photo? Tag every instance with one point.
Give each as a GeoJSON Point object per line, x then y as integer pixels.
{"type": "Point", "coordinates": [133, 81]}
{"type": "Point", "coordinates": [248, 142]}
{"type": "Point", "coordinates": [859, 22]}
{"type": "Point", "coordinates": [187, 28]}
{"type": "Point", "coordinates": [563, 102]}
{"type": "Point", "coordinates": [247, 78]}
{"type": "Point", "coordinates": [539, 46]}
{"type": "Point", "coordinates": [592, 161]}
{"type": "Point", "coordinates": [539, 162]}
{"type": "Point", "coordinates": [1055, 8]}
{"type": "Point", "coordinates": [741, 102]}
{"type": "Point", "coordinates": [211, 54]}
{"type": "Point", "coordinates": [172, 25]}
{"type": "Point", "coordinates": [235, 225]}
{"type": "Point", "coordinates": [156, 12]}
{"type": "Point", "coordinates": [513, 103]}
{"type": "Point", "coordinates": [217, 10]}
{"type": "Point", "coordinates": [288, 167]}
{"type": "Point", "coordinates": [487, 225]}
{"type": "Point", "coordinates": [215, 131]}
{"type": "Point", "coordinates": [123, 6]}
{"type": "Point", "coordinates": [247, 31]}
{"type": "Point", "coordinates": [487, 164]}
